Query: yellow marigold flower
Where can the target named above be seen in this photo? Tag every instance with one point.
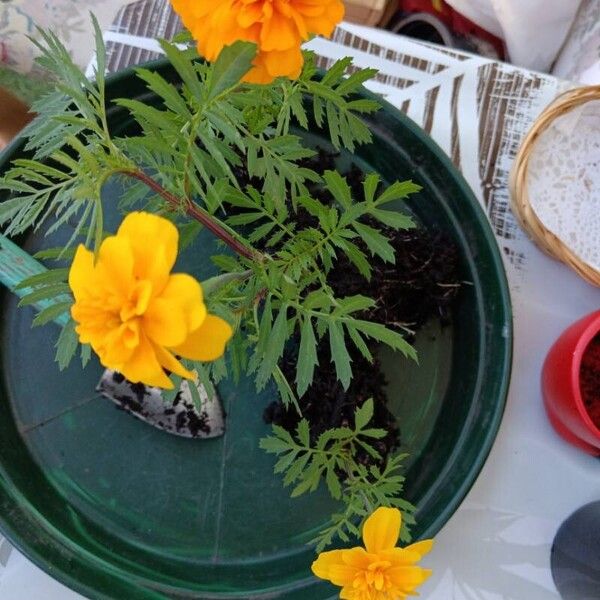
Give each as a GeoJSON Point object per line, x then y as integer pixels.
{"type": "Point", "coordinates": [134, 313]}
{"type": "Point", "coordinates": [381, 571]}
{"type": "Point", "coordinates": [278, 27]}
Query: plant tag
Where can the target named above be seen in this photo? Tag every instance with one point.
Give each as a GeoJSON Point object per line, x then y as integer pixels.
{"type": "Point", "coordinates": [17, 265]}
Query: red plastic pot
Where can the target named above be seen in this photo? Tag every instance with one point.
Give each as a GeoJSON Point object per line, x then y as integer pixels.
{"type": "Point", "coordinates": [560, 385]}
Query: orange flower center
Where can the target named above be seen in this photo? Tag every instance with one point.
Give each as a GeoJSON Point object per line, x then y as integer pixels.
{"type": "Point", "coordinates": [373, 583]}
{"type": "Point", "coordinates": [138, 301]}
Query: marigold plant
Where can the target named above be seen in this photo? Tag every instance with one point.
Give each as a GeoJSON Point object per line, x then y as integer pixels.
{"type": "Point", "coordinates": [234, 163]}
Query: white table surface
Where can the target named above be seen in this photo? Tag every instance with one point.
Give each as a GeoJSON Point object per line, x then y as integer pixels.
{"type": "Point", "coordinates": [497, 545]}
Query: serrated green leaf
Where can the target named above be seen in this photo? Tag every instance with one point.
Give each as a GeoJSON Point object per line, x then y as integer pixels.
{"type": "Point", "coordinates": [296, 469]}
{"type": "Point", "coordinates": [44, 293]}
{"type": "Point", "coordinates": [312, 206]}
{"type": "Point", "coordinates": [391, 218]}
{"type": "Point", "coordinates": [333, 484]}
{"type": "Point", "coordinates": [376, 242]}
{"type": "Point", "coordinates": [298, 110]}
{"type": "Point", "coordinates": [336, 71]}
{"type": "Point", "coordinates": [356, 256]}
{"type": "Point", "coordinates": [370, 185]}
{"type": "Point", "coordinates": [339, 353]}
{"type": "Point", "coordinates": [303, 433]}
{"type": "Point", "coordinates": [214, 284]}
{"type": "Point", "coordinates": [303, 487]}
{"type": "Point", "coordinates": [285, 461]}
{"type": "Point", "coordinates": [283, 434]}
{"type": "Point", "coordinates": [51, 313]}
{"type": "Point", "coordinates": [355, 81]}
{"type": "Point", "coordinates": [397, 191]}
{"type": "Point", "coordinates": [307, 357]}
{"type": "Point", "coordinates": [86, 354]}
{"type": "Point", "coordinates": [168, 92]}
{"type": "Point", "coordinates": [233, 63]}
{"type": "Point", "coordinates": [273, 445]}
{"type": "Point", "coordinates": [338, 433]}
{"type": "Point", "coordinates": [274, 348]}
{"type": "Point", "coordinates": [363, 414]}
{"type": "Point", "coordinates": [339, 188]}
{"type": "Point", "coordinates": [66, 346]}
{"type": "Point", "coordinates": [391, 338]}
{"type": "Point", "coordinates": [374, 433]}
{"type": "Point", "coordinates": [260, 232]}
{"type": "Point", "coordinates": [369, 449]}
{"type": "Point", "coordinates": [352, 304]}
{"type": "Point", "coordinates": [359, 342]}
{"type": "Point", "coordinates": [45, 278]}
{"type": "Point", "coordinates": [182, 63]}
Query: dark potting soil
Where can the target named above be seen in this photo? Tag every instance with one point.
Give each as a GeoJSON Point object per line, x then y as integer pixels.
{"type": "Point", "coordinates": [421, 285]}
{"type": "Point", "coordinates": [589, 379]}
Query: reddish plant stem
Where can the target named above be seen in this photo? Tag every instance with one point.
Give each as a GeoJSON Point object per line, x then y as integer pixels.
{"type": "Point", "coordinates": [193, 211]}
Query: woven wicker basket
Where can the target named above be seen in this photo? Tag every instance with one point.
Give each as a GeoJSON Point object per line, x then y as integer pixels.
{"type": "Point", "coordinates": [521, 206]}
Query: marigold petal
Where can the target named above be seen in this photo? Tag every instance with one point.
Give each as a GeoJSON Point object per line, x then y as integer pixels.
{"type": "Point", "coordinates": [286, 63]}
{"type": "Point", "coordinates": [154, 242]}
{"type": "Point", "coordinates": [258, 74]}
{"type": "Point", "coordinates": [324, 24]}
{"type": "Point", "coordinates": [421, 548]}
{"type": "Point", "coordinates": [406, 579]}
{"type": "Point", "coordinates": [399, 556]}
{"type": "Point", "coordinates": [309, 9]}
{"type": "Point", "coordinates": [357, 557]}
{"type": "Point", "coordinates": [179, 310]}
{"type": "Point", "coordinates": [187, 292]}
{"type": "Point", "coordinates": [382, 529]}
{"type": "Point", "coordinates": [115, 266]}
{"type": "Point", "coordinates": [279, 33]}
{"type": "Point", "coordinates": [165, 323]}
{"type": "Point", "coordinates": [322, 566]}
{"type": "Point", "coordinates": [82, 273]}
{"type": "Point", "coordinates": [206, 343]}
{"type": "Point", "coordinates": [249, 14]}
{"type": "Point", "coordinates": [341, 575]}
{"type": "Point", "coordinates": [143, 366]}
{"type": "Point", "coordinates": [347, 593]}
{"type": "Point", "coordinates": [169, 362]}
{"type": "Point", "coordinates": [118, 345]}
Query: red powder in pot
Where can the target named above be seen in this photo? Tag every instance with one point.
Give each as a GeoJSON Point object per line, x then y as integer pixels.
{"type": "Point", "coordinates": [589, 379]}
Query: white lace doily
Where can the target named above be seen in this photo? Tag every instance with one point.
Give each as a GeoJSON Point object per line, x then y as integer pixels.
{"type": "Point", "coordinates": [564, 180]}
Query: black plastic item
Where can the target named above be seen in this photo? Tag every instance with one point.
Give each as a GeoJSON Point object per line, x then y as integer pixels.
{"type": "Point", "coordinates": [428, 28]}
{"type": "Point", "coordinates": [575, 555]}
{"type": "Point", "coordinates": [423, 26]}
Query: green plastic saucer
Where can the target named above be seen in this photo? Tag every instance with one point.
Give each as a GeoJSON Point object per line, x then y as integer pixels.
{"type": "Point", "coordinates": [116, 509]}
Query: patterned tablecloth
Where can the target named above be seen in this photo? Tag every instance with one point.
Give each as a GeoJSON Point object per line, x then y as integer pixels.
{"type": "Point", "coordinates": [497, 545]}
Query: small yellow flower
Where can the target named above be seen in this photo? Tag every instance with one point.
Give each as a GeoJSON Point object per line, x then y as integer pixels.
{"type": "Point", "coordinates": [381, 571]}
{"type": "Point", "coordinates": [134, 313]}
{"type": "Point", "coordinates": [278, 27]}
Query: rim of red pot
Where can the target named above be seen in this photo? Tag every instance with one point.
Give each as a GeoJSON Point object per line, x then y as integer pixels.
{"type": "Point", "coordinates": [589, 333]}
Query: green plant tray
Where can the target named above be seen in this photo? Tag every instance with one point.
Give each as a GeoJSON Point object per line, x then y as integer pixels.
{"type": "Point", "coordinates": [116, 509]}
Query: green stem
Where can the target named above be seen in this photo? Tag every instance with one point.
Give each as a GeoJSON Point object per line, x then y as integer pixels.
{"type": "Point", "coordinates": [195, 212]}
{"type": "Point", "coordinates": [361, 493]}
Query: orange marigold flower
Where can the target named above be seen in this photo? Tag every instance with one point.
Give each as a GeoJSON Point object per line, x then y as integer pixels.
{"type": "Point", "coordinates": [278, 27]}
{"type": "Point", "coordinates": [134, 313]}
{"type": "Point", "coordinates": [380, 571]}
